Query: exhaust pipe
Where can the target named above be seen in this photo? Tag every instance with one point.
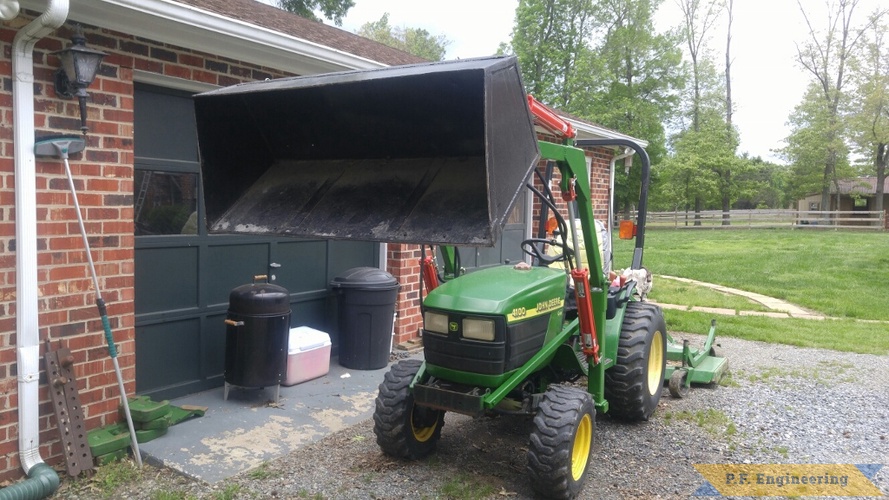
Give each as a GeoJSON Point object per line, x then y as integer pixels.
{"type": "Point", "coordinates": [431, 153]}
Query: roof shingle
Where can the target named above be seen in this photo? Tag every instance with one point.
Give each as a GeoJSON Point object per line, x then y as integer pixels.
{"type": "Point", "coordinates": [273, 18]}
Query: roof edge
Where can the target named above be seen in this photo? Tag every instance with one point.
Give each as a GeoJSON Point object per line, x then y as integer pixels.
{"type": "Point", "coordinates": [598, 132]}
{"type": "Point", "coordinates": [198, 29]}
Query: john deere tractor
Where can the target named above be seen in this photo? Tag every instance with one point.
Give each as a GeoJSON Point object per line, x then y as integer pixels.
{"type": "Point", "coordinates": [438, 154]}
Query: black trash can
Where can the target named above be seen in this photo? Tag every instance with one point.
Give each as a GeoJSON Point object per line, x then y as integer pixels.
{"type": "Point", "coordinates": [256, 335]}
{"type": "Point", "coordinates": [366, 298]}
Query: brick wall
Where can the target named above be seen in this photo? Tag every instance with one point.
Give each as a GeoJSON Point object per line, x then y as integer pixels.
{"type": "Point", "coordinates": [403, 262]}
{"type": "Point", "coordinates": [104, 180]}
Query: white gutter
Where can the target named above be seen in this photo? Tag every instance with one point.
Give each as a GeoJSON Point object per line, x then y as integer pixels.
{"type": "Point", "coordinates": [26, 290]}
{"type": "Point", "coordinates": [190, 27]}
{"type": "Point", "coordinates": [9, 9]}
{"type": "Point", "coordinates": [597, 132]}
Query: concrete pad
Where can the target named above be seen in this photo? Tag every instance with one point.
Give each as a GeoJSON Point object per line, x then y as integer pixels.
{"type": "Point", "coordinates": [764, 313]}
{"type": "Point", "coordinates": [770, 302]}
{"type": "Point", "coordinates": [249, 428]}
{"type": "Point", "coordinates": [715, 310]}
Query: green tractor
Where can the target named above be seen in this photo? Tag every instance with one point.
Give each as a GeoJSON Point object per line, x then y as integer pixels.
{"type": "Point", "coordinates": [437, 154]}
{"type": "Point", "coordinates": [510, 340]}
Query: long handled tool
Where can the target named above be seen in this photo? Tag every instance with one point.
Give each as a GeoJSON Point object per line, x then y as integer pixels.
{"type": "Point", "coordinates": [60, 147]}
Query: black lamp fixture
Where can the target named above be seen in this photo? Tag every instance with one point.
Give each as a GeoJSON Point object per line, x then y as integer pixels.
{"type": "Point", "coordinates": [79, 67]}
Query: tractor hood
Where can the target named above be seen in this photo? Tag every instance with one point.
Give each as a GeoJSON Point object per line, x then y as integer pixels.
{"type": "Point", "coordinates": [502, 290]}
{"type": "Point", "coordinates": [428, 153]}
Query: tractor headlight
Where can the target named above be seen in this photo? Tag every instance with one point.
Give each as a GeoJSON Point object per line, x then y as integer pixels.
{"type": "Point", "coordinates": [436, 322]}
{"type": "Point", "coordinates": [478, 329]}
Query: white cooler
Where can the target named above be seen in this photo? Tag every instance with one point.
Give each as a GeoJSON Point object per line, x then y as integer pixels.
{"type": "Point", "coordinates": [308, 355]}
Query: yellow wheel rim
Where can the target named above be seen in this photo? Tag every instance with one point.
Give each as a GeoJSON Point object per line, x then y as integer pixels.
{"type": "Point", "coordinates": [580, 453]}
{"type": "Point", "coordinates": [656, 363]}
{"type": "Point", "coordinates": [421, 434]}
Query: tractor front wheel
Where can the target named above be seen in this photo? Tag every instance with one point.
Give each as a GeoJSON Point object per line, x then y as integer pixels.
{"type": "Point", "coordinates": [561, 442]}
{"type": "Point", "coordinates": [404, 429]}
{"type": "Point", "coordinates": [633, 385]}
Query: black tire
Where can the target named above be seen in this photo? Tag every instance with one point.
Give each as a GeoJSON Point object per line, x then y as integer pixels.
{"type": "Point", "coordinates": [633, 385]}
{"type": "Point", "coordinates": [403, 429]}
{"type": "Point", "coordinates": [559, 454]}
{"type": "Point", "coordinates": [678, 388]}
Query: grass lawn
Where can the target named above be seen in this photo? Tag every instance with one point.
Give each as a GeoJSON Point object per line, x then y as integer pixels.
{"type": "Point", "coordinates": [840, 335]}
{"type": "Point", "coordinates": [837, 273]}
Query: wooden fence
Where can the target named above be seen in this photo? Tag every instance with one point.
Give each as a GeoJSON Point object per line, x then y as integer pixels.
{"type": "Point", "coordinates": [748, 219]}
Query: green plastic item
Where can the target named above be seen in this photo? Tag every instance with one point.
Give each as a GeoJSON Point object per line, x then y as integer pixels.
{"type": "Point", "coordinates": [158, 423]}
{"type": "Point", "coordinates": [179, 414]}
{"type": "Point", "coordinates": [114, 456]}
{"type": "Point", "coordinates": [146, 435]}
{"type": "Point", "coordinates": [143, 409]}
{"type": "Point", "coordinates": [108, 439]}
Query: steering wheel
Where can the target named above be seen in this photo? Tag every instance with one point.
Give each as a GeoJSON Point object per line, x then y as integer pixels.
{"type": "Point", "coordinates": [534, 247]}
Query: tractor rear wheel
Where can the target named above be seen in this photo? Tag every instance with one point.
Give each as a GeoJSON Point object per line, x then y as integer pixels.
{"type": "Point", "coordinates": [633, 385]}
{"type": "Point", "coordinates": [561, 442]}
{"type": "Point", "coordinates": [404, 429]}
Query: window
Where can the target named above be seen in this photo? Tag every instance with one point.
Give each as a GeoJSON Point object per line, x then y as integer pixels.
{"type": "Point", "coordinates": [165, 203]}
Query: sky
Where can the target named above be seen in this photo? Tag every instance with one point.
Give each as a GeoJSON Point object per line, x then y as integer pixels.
{"type": "Point", "coordinates": [767, 83]}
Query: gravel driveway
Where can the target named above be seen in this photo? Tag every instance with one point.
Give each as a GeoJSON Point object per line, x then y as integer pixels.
{"type": "Point", "coordinates": [782, 404]}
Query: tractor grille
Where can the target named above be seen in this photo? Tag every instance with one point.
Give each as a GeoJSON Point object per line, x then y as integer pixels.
{"type": "Point", "coordinates": [512, 347]}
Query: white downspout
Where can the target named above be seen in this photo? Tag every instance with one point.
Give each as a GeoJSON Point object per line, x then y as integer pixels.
{"type": "Point", "coordinates": [26, 310]}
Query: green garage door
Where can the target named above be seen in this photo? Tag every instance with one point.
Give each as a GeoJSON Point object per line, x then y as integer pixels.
{"type": "Point", "coordinates": [507, 250]}
{"type": "Point", "coordinates": [183, 275]}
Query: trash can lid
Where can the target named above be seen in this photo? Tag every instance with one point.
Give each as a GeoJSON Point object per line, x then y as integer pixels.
{"type": "Point", "coordinates": [365, 278]}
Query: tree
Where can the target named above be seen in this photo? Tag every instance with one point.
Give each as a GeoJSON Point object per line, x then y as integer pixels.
{"type": "Point", "coordinates": [707, 97]}
{"type": "Point", "coordinates": [729, 105]}
{"type": "Point", "coordinates": [813, 137]}
{"type": "Point", "coordinates": [699, 17]}
{"type": "Point", "coordinates": [415, 41]}
{"type": "Point", "coordinates": [869, 115]}
{"type": "Point", "coordinates": [550, 40]}
{"type": "Point", "coordinates": [699, 161]}
{"type": "Point", "coordinates": [764, 184]}
{"type": "Point", "coordinates": [825, 55]}
{"type": "Point", "coordinates": [731, 134]}
{"type": "Point", "coordinates": [333, 10]}
{"type": "Point", "coordinates": [639, 76]}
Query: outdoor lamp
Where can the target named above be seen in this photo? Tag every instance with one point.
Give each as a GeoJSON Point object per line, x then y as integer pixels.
{"type": "Point", "coordinates": [79, 66]}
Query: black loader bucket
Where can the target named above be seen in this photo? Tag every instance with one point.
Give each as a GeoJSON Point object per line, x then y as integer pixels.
{"type": "Point", "coordinates": [430, 153]}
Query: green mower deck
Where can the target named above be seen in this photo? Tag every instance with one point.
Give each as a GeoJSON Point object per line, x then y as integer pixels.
{"type": "Point", "coordinates": [688, 365]}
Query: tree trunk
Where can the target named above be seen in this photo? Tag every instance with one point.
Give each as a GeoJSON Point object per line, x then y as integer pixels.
{"type": "Point", "coordinates": [728, 67]}
{"type": "Point", "coordinates": [880, 162]}
{"type": "Point", "coordinates": [726, 199]}
{"type": "Point", "coordinates": [726, 210]}
{"type": "Point", "coordinates": [698, 206]}
{"type": "Point", "coordinates": [829, 174]}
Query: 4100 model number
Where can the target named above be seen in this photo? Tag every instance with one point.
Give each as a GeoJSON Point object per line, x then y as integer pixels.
{"type": "Point", "coordinates": [541, 307]}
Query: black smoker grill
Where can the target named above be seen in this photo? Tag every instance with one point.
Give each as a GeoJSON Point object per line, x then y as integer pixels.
{"type": "Point", "coordinates": [256, 335]}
